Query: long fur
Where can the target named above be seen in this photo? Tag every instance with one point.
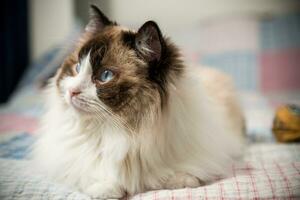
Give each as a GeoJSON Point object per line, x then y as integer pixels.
{"type": "Point", "coordinates": [191, 136]}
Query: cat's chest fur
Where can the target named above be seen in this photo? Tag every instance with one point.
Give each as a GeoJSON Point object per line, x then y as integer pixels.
{"type": "Point", "coordinates": [78, 152]}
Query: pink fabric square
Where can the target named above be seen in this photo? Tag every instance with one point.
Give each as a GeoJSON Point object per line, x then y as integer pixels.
{"type": "Point", "coordinates": [280, 70]}
{"type": "Point", "coordinates": [17, 122]}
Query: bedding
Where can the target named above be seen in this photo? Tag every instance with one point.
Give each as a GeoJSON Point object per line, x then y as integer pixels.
{"type": "Point", "coordinates": [269, 171]}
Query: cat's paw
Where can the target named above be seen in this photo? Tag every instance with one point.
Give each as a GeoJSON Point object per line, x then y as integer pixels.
{"type": "Point", "coordinates": [104, 191]}
{"type": "Point", "coordinates": [182, 180]}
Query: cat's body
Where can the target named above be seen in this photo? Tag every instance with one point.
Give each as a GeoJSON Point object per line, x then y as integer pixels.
{"type": "Point", "coordinates": [149, 123]}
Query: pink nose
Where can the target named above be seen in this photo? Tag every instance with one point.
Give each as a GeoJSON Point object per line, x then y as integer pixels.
{"type": "Point", "coordinates": [74, 92]}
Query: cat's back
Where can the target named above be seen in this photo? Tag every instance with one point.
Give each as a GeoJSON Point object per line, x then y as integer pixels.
{"type": "Point", "coordinates": [220, 87]}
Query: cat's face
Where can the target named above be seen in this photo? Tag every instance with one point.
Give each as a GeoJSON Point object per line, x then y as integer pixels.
{"type": "Point", "coordinates": [117, 72]}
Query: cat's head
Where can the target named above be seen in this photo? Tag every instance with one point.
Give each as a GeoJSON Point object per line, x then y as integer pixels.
{"type": "Point", "coordinates": [119, 72]}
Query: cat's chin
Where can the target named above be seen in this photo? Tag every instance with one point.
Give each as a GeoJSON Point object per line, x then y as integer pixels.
{"type": "Point", "coordinates": [79, 106]}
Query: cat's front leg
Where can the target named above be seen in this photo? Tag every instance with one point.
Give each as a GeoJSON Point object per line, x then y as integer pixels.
{"type": "Point", "coordinates": [104, 190]}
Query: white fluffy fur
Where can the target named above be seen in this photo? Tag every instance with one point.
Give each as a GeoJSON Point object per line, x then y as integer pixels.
{"type": "Point", "coordinates": [193, 138]}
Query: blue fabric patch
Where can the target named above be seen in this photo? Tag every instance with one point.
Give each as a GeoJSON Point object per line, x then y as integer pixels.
{"type": "Point", "coordinates": [17, 147]}
{"type": "Point", "coordinates": [280, 32]}
{"type": "Point", "coordinates": [242, 66]}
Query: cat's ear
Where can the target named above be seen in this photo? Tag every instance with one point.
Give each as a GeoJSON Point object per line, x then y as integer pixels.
{"type": "Point", "coordinates": [97, 20]}
{"type": "Point", "coordinates": [149, 41]}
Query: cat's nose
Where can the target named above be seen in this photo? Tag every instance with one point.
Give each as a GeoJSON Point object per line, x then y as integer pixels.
{"type": "Point", "coordinates": [74, 92]}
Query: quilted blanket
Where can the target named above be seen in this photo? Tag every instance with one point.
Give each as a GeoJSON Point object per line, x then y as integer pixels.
{"type": "Point", "coordinates": [268, 171]}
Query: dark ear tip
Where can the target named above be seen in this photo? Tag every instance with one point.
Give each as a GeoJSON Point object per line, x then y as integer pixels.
{"type": "Point", "coordinates": [151, 23]}
{"type": "Point", "coordinates": [93, 6]}
{"type": "Point", "coordinates": [95, 12]}
{"type": "Point", "coordinates": [94, 9]}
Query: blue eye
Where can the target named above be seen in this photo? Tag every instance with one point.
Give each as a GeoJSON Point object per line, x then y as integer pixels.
{"type": "Point", "coordinates": [77, 67]}
{"type": "Point", "coordinates": [106, 76]}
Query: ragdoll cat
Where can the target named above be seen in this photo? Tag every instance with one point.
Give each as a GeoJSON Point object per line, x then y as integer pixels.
{"type": "Point", "coordinates": [125, 115]}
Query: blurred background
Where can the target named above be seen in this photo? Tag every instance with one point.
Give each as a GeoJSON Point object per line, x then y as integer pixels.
{"type": "Point", "coordinates": [257, 42]}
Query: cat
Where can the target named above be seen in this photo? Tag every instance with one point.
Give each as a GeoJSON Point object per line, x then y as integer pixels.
{"type": "Point", "coordinates": [126, 115]}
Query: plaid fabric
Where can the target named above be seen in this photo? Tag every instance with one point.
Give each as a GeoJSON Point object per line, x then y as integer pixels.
{"type": "Point", "coordinates": [269, 171]}
{"type": "Point", "coordinates": [266, 182]}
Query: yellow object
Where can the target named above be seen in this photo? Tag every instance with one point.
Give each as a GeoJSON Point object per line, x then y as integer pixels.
{"type": "Point", "coordinates": [286, 124]}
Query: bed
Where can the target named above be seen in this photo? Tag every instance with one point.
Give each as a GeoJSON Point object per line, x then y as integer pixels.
{"type": "Point", "coordinates": [268, 171]}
